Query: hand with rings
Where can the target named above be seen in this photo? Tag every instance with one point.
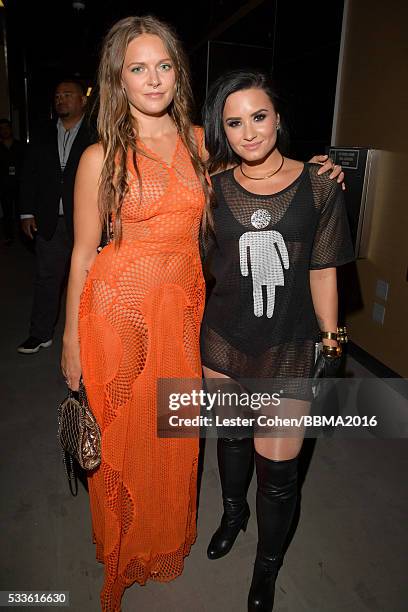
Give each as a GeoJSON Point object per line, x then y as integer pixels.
{"type": "Point", "coordinates": [328, 165]}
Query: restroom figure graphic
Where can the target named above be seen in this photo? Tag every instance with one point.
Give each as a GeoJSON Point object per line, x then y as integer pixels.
{"type": "Point", "coordinates": [268, 256]}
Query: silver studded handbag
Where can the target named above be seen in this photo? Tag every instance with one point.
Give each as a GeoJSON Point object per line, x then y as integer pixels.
{"type": "Point", "coordinates": [78, 433]}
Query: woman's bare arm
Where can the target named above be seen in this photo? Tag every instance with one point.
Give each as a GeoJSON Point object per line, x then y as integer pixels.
{"type": "Point", "coordinates": [323, 285]}
{"type": "Point", "coordinates": [87, 236]}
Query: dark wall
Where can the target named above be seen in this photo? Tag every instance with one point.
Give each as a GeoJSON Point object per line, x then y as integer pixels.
{"type": "Point", "coordinates": [298, 42]}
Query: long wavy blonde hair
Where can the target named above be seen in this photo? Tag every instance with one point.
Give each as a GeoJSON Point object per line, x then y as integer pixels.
{"type": "Point", "coordinates": [117, 128]}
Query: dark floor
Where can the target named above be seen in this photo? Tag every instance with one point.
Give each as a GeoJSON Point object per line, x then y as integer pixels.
{"type": "Point", "coordinates": [349, 552]}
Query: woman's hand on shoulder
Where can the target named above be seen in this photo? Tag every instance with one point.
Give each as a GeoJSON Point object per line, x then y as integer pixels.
{"type": "Point", "coordinates": [327, 165]}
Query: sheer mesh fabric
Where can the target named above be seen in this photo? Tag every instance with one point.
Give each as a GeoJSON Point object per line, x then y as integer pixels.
{"type": "Point", "coordinates": [259, 321]}
{"type": "Point", "coordinates": [140, 316]}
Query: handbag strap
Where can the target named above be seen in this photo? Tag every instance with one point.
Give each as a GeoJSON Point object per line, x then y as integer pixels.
{"type": "Point", "coordinates": [66, 457]}
{"type": "Point", "coordinates": [71, 474]}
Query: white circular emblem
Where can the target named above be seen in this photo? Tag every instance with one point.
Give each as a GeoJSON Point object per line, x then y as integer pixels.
{"type": "Point", "coordinates": [260, 218]}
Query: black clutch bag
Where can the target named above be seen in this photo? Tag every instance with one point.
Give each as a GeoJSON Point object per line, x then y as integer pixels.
{"type": "Point", "coordinates": [329, 360]}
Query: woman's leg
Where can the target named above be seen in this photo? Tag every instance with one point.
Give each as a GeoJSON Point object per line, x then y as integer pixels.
{"type": "Point", "coordinates": [235, 463]}
{"type": "Point", "coordinates": [276, 468]}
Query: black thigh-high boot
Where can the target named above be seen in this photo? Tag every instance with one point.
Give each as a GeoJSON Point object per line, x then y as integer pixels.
{"type": "Point", "coordinates": [235, 462]}
{"type": "Point", "coordinates": [275, 505]}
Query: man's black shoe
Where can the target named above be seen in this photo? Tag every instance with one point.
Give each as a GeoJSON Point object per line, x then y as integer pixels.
{"type": "Point", "coordinates": [33, 345]}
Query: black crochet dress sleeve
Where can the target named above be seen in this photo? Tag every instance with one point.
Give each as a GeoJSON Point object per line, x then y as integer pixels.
{"type": "Point", "coordinates": [332, 242]}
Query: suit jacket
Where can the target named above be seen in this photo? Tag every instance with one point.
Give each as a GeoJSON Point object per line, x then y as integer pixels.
{"type": "Point", "coordinates": [43, 183]}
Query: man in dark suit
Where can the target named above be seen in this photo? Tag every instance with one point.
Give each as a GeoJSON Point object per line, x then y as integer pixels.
{"type": "Point", "coordinates": [46, 206]}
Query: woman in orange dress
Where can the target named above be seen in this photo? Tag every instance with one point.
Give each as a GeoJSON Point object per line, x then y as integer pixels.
{"type": "Point", "coordinates": [134, 310]}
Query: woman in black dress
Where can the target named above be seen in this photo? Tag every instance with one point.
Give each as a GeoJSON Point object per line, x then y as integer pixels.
{"type": "Point", "coordinates": [280, 230]}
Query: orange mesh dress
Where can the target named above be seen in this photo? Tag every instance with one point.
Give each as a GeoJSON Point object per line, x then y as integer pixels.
{"type": "Point", "coordinates": [139, 320]}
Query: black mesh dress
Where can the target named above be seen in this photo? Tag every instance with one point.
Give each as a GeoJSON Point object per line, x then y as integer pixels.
{"type": "Point", "coordinates": [259, 321]}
